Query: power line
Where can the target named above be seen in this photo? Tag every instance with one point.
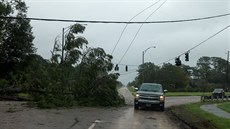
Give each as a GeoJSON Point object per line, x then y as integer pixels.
{"type": "Point", "coordinates": [139, 31]}
{"type": "Point", "coordinates": [127, 25]}
{"type": "Point", "coordinates": [199, 43]}
{"type": "Point", "coordinates": [115, 22]}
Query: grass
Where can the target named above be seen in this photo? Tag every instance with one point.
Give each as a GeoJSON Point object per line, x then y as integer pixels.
{"type": "Point", "coordinates": [188, 93]}
{"type": "Point", "coordinates": [26, 95]}
{"type": "Point", "coordinates": [193, 115]}
{"type": "Point", "coordinates": [133, 92]}
{"type": "Point", "coordinates": [225, 106]}
{"type": "Point", "coordinates": [220, 123]}
{"type": "Point", "coordinates": [191, 93]}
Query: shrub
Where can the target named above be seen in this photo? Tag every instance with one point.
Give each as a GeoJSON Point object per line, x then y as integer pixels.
{"type": "Point", "coordinates": [3, 83]}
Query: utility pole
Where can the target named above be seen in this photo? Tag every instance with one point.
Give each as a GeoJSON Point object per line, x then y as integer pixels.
{"type": "Point", "coordinates": [143, 61]}
{"type": "Point", "coordinates": [143, 57]}
{"type": "Point", "coordinates": [63, 40]}
{"type": "Point", "coordinates": [227, 82]}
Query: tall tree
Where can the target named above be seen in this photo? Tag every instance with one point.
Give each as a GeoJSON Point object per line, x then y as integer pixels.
{"type": "Point", "coordinates": [204, 67]}
{"type": "Point", "coordinates": [15, 36]}
{"type": "Point", "coordinates": [170, 76]}
{"type": "Point", "coordinates": [72, 48]}
{"type": "Point", "coordinates": [173, 77]}
{"type": "Point", "coordinates": [98, 59]}
{"type": "Point", "coordinates": [148, 73]}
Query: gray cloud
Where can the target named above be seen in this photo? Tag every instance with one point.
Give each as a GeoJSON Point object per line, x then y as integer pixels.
{"type": "Point", "coordinates": [170, 39]}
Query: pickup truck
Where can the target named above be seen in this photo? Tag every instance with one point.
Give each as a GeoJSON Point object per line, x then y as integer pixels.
{"type": "Point", "coordinates": [150, 95]}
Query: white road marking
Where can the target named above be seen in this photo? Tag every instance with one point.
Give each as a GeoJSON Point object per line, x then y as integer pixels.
{"type": "Point", "coordinates": [92, 126]}
{"type": "Point", "coordinates": [94, 123]}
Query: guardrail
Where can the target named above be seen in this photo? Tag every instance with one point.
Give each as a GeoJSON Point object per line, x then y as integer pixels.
{"type": "Point", "coordinates": [215, 98]}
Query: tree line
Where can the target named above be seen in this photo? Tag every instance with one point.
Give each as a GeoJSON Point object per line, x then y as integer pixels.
{"type": "Point", "coordinates": [75, 74]}
{"type": "Point", "coordinates": [209, 73]}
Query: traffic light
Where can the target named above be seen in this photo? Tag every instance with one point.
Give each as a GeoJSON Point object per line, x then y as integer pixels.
{"type": "Point", "coordinates": [126, 68]}
{"type": "Point", "coordinates": [178, 61]}
{"type": "Point", "coordinates": [116, 67]}
{"type": "Point", "coordinates": [187, 56]}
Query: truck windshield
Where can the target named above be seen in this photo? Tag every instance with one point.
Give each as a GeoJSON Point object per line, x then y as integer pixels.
{"type": "Point", "coordinates": [218, 90]}
{"type": "Point", "coordinates": [151, 88]}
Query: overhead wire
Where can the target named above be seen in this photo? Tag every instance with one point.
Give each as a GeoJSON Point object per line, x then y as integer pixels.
{"type": "Point", "coordinates": [139, 31]}
{"type": "Point", "coordinates": [114, 22]}
{"type": "Point", "coordinates": [122, 22]}
{"type": "Point", "coordinates": [122, 32]}
{"type": "Point", "coordinates": [210, 37]}
{"type": "Point", "coordinates": [127, 26]}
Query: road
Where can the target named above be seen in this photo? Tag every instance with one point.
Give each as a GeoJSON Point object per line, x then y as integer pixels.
{"type": "Point", "coordinates": [15, 115]}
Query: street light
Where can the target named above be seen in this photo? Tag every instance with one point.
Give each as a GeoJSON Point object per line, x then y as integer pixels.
{"type": "Point", "coordinates": [143, 59]}
{"type": "Point", "coordinates": [143, 53]}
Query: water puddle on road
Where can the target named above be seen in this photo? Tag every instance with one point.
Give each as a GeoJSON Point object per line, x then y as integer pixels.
{"type": "Point", "coordinates": [142, 119]}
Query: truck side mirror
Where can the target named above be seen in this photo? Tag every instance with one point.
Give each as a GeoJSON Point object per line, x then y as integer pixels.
{"type": "Point", "coordinates": [136, 88]}
{"type": "Point", "coordinates": [165, 91]}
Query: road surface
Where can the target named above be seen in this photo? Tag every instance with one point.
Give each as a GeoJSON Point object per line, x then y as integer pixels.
{"type": "Point", "coordinates": [15, 115]}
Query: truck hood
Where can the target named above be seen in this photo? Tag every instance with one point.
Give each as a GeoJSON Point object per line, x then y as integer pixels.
{"type": "Point", "coordinates": [150, 93]}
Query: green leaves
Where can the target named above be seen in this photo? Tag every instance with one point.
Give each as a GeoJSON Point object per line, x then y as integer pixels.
{"type": "Point", "coordinates": [170, 76]}
{"type": "Point", "coordinates": [15, 36]}
{"type": "Point", "coordinates": [72, 56]}
{"type": "Point", "coordinates": [5, 8]}
{"type": "Point", "coordinates": [211, 69]}
{"type": "Point", "coordinates": [77, 28]}
{"type": "Point", "coordinates": [20, 6]}
{"type": "Point", "coordinates": [73, 45]}
{"type": "Point", "coordinates": [209, 73]}
{"type": "Point", "coordinates": [98, 59]}
{"type": "Point", "coordinates": [80, 75]}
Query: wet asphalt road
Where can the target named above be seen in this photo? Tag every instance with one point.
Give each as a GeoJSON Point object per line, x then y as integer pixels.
{"type": "Point", "coordinates": [144, 118]}
{"type": "Point", "coordinates": [89, 118]}
{"type": "Point", "coordinates": [139, 119]}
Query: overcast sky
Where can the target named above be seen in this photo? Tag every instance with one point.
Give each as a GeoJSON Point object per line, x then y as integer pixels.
{"type": "Point", "coordinates": [171, 39]}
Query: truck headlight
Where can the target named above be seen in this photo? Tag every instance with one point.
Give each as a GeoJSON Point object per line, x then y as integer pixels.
{"type": "Point", "coordinates": [137, 96]}
{"type": "Point", "coordinates": [162, 98]}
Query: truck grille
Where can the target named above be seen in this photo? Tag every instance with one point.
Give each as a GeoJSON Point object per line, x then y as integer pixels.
{"type": "Point", "coordinates": [149, 97]}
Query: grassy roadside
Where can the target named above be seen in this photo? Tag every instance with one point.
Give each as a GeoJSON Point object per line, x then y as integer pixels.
{"type": "Point", "coordinates": [196, 118]}
{"type": "Point", "coordinates": [225, 106]}
{"type": "Point", "coordinates": [133, 91]}
{"type": "Point", "coordinates": [191, 93]}
{"type": "Point", "coordinates": [188, 93]}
